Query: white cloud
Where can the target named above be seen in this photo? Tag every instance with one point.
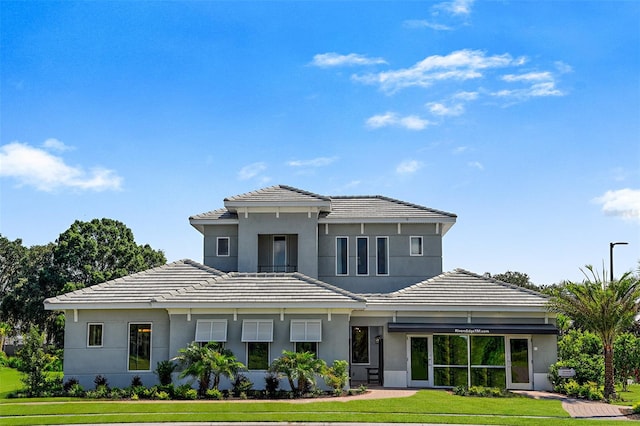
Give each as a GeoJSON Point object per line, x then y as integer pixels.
{"type": "Point", "coordinates": [535, 90]}
{"type": "Point", "coordinates": [624, 203]}
{"type": "Point", "coordinates": [408, 167]}
{"type": "Point", "coordinates": [55, 145]}
{"type": "Point", "coordinates": [456, 7]}
{"type": "Point", "coordinates": [476, 165]}
{"type": "Point", "coordinates": [531, 76]}
{"type": "Point", "coordinates": [251, 170]}
{"type": "Point", "coordinates": [459, 65]}
{"type": "Point", "coordinates": [460, 149]}
{"type": "Point", "coordinates": [315, 162]}
{"type": "Point", "coordinates": [437, 108]}
{"type": "Point", "coordinates": [46, 172]}
{"type": "Point", "coordinates": [411, 122]}
{"type": "Point", "coordinates": [562, 67]}
{"type": "Point", "coordinates": [421, 23]}
{"type": "Point", "coordinates": [466, 96]}
{"type": "Point", "coordinates": [332, 59]}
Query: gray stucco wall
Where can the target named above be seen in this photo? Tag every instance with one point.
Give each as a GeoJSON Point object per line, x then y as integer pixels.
{"type": "Point", "coordinates": [404, 269]}
{"type": "Point", "coordinates": [334, 345]}
{"type": "Point", "coordinates": [111, 360]}
{"type": "Point", "coordinates": [288, 223]}
{"type": "Point", "coordinates": [222, 263]}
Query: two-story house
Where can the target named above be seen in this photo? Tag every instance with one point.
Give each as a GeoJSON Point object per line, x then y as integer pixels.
{"type": "Point", "coordinates": [357, 278]}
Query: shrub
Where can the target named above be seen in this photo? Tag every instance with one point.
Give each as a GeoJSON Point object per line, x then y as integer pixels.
{"type": "Point", "coordinates": [163, 370]}
{"type": "Point", "coordinates": [162, 395]}
{"type": "Point", "coordinates": [213, 394]}
{"type": "Point", "coordinates": [32, 362]}
{"type": "Point", "coordinates": [75, 390]}
{"type": "Point", "coordinates": [461, 390]}
{"type": "Point", "coordinates": [136, 381]}
{"type": "Point", "coordinates": [182, 391]}
{"type": "Point", "coordinates": [100, 380]}
{"type": "Point", "coordinates": [70, 383]}
{"type": "Point", "coordinates": [242, 384]}
{"type": "Point", "coordinates": [15, 363]}
{"type": "Point", "coordinates": [272, 383]}
{"type": "Point", "coordinates": [337, 376]}
{"type": "Point", "coordinates": [636, 408]}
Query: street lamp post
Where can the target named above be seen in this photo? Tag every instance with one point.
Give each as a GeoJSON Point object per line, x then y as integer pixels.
{"type": "Point", "coordinates": [611, 245]}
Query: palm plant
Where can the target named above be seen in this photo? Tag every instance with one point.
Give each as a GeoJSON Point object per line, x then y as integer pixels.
{"type": "Point", "coordinates": [300, 369]}
{"type": "Point", "coordinates": [604, 308]}
{"type": "Point", "coordinates": [203, 362]}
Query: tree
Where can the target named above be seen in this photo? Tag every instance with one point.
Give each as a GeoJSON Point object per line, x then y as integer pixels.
{"type": "Point", "coordinates": [101, 250]}
{"type": "Point", "coordinates": [517, 278]}
{"type": "Point", "coordinates": [33, 361]}
{"type": "Point", "coordinates": [605, 308]}
{"type": "Point", "coordinates": [5, 330]}
{"type": "Point", "coordinates": [626, 357]}
{"type": "Point", "coordinates": [300, 367]}
{"type": "Point", "coordinates": [12, 257]}
{"type": "Point", "coordinates": [203, 362]}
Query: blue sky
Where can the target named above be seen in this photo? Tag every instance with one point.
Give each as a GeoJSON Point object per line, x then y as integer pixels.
{"type": "Point", "coordinates": [521, 117]}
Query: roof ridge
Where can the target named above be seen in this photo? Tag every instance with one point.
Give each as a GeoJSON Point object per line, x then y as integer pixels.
{"type": "Point", "coordinates": [279, 186]}
{"type": "Point", "coordinates": [502, 283]}
{"type": "Point", "coordinates": [328, 286]}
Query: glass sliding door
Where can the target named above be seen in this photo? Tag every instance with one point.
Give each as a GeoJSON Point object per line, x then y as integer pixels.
{"type": "Point", "coordinates": [519, 363]}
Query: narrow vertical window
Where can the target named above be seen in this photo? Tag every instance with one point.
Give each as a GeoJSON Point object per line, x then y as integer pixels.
{"type": "Point", "coordinates": [94, 335]}
{"type": "Point", "coordinates": [415, 246]}
{"type": "Point", "coordinates": [362, 255]}
{"type": "Point", "coordinates": [342, 256]}
{"type": "Point", "coordinates": [360, 345]}
{"type": "Point", "coordinates": [140, 347]}
{"type": "Point", "coordinates": [382, 255]}
{"type": "Point", "coordinates": [223, 246]}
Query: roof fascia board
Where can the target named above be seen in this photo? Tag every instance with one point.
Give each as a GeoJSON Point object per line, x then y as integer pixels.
{"type": "Point", "coordinates": [457, 308]}
{"type": "Point", "coordinates": [349, 220]}
{"type": "Point", "coordinates": [195, 222]}
{"type": "Point", "coordinates": [193, 306]}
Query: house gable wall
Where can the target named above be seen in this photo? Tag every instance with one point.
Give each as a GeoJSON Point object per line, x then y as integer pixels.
{"type": "Point", "coordinates": [211, 235]}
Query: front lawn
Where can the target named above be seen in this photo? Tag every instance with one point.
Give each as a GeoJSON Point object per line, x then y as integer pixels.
{"type": "Point", "coordinates": [629, 398]}
{"type": "Point", "coordinates": [427, 406]}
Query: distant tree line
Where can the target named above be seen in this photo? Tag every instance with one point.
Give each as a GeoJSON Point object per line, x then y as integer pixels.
{"type": "Point", "coordinates": [87, 253]}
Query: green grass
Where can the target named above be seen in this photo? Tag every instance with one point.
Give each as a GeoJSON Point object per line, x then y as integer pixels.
{"type": "Point", "coordinates": [631, 397]}
{"type": "Point", "coordinates": [427, 406]}
{"type": "Point", "coordinates": [9, 381]}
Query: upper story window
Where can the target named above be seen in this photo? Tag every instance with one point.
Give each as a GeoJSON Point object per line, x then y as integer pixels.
{"type": "Point", "coordinates": [382, 255]}
{"type": "Point", "coordinates": [362, 255]}
{"type": "Point", "coordinates": [416, 247]}
{"type": "Point", "coordinates": [342, 256]}
{"type": "Point", "coordinates": [211, 331]}
{"type": "Point", "coordinates": [222, 246]}
{"type": "Point", "coordinates": [94, 335]}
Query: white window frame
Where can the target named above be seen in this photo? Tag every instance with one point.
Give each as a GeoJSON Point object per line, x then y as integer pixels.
{"type": "Point", "coordinates": [386, 256]}
{"type": "Point", "coordinates": [309, 335]}
{"type": "Point", "coordinates": [366, 258]}
{"type": "Point", "coordinates": [89, 345]}
{"type": "Point", "coordinates": [218, 247]}
{"type": "Point", "coordinates": [419, 237]}
{"type": "Point", "coordinates": [213, 336]}
{"type": "Point", "coordinates": [249, 335]}
{"type": "Point", "coordinates": [338, 259]}
{"type": "Point", "coordinates": [150, 344]}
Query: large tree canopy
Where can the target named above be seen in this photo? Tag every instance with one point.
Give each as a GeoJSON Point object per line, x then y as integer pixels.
{"type": "Point", "coordinates": [100, 250]}
{"type": "Point", "coordinates": [86, 254]}
{"type": "Point", "coordinates": [604, 308]}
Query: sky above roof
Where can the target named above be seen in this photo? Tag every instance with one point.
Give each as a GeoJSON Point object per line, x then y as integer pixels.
{"type": "Point", "coordinates": [523, 118]}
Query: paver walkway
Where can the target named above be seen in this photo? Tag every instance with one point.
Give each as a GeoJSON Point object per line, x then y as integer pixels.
{"type": "Point", "coordinates": [582, 409]}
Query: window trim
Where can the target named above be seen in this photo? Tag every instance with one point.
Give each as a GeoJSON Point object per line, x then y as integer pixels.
{"type": "Point", "coordinates": [411, 253]}
{"type": "Point", "coordinates": [366, 257]}
{"type": "Point", "coordinates": [150, 343]}
{"type": "Point", "coordinates": [245, 338]}
{"type": "Point", "coordinates": [307, 337]}
{"type": "Point", "coordinates": [89, 324]}
{"type": "Point", "coordinates": [211, 333]}
{"type": "Point", "coordinates": [386, 238]}
{"type": "Point", "coordinates": [346, 254]}
{"type": "Point", "coordinates": [218, 253]}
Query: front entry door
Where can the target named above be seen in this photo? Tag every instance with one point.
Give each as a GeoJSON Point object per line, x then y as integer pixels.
{"type": "Point", "coordinates": [519, 364]}
{"type": "Point", "coordinates": [419, 361]}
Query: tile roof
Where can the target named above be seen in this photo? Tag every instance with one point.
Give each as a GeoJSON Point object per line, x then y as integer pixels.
{"type": "Point", "coordinates": [191, 284]}
{"type": "Point", "coordinates": [278, 193]}
{"type": "Point", "coordinates": [378, 206]}
{"type": "Point", "coordinates": [460, 288]}
{"type": "Point", "coordinates": [219, 214]}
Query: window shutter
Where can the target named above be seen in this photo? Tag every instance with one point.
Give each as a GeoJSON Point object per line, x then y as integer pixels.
{"type": "Point", "coordinates": [257, 331]}
{"type": "Point", "coordinates": [211, 331]}
{"type": "Point", "coordinates": [306, 330]}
